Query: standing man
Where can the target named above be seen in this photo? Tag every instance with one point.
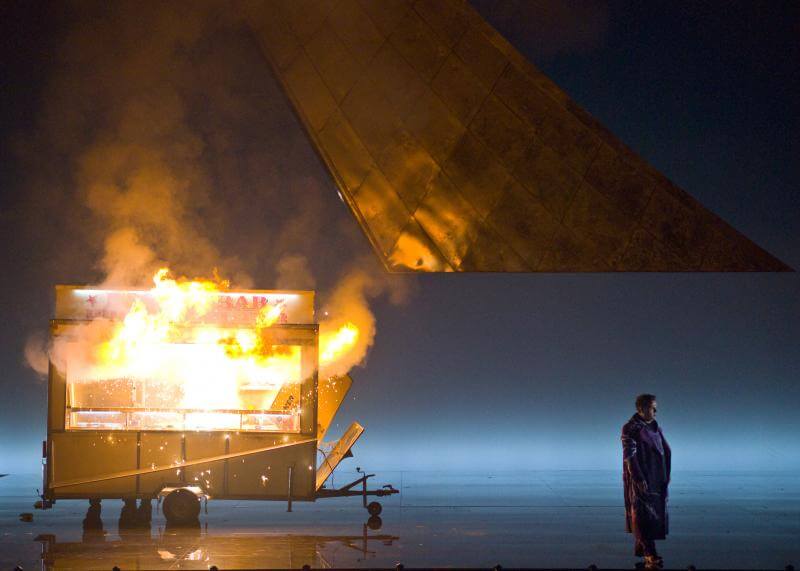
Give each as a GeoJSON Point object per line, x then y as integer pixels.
{"type": "Point", "coordinates": [646, 463]}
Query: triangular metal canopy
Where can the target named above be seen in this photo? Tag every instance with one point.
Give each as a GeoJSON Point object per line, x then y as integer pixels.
{"type": "Point", "coordinates": [455, 153]}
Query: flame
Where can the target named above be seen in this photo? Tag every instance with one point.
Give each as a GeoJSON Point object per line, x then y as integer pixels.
{"type": "Point", "coordinates": [337, 343]}
{"type": "Point", "coordinates": [167, 356]}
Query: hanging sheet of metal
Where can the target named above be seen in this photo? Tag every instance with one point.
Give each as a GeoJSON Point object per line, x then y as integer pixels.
{"type": "Point", "coordinates": [455, 153]}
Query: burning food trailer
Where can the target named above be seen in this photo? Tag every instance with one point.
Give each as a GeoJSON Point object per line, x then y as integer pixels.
{"type": "Point", "coordinates": [186, 392]}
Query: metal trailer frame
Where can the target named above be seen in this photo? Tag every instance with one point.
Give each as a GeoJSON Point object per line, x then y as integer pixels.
{"type": "Point", "coordinates": [146, 464]}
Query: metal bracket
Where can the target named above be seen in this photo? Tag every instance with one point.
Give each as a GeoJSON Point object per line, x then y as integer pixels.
{"type": "Point", "coordinates": [348, 491]}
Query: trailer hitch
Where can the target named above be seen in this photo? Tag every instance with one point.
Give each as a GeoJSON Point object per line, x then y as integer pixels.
{"type": "Point", "coordinates": [348, 491]}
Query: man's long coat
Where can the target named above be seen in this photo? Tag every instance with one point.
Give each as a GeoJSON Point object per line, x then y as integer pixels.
{"type": "Point", "coordinates": [646, 457]}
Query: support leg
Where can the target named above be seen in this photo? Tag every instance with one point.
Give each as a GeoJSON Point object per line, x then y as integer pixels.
{"type": "Point", "coordinates": [127, 517]}
{"type": "Point", "coordinates": [92, 519]}
{"type": "Point", "coordinates": [291, 482]}
{"type": "Point", "coordinates": [144, 514]}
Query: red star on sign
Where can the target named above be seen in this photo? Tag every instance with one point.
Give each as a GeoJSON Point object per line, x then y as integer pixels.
{"type": "Point", "coordinates": [91, 299]}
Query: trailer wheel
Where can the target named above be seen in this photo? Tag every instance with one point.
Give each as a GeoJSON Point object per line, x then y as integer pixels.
{"type": "Point", "coordinates": [374, 508]}
{"type": "Point", "coordinates": [374, 523]}
{"type": "Point", "coordinates": [181, 506]}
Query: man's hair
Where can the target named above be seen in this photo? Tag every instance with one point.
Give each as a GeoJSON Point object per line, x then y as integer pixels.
{"type": "Point", "coordinates": [644, 401]}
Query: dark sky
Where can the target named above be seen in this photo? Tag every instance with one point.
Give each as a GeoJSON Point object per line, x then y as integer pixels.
{"type": "Point", "coordinates": [473, 372]}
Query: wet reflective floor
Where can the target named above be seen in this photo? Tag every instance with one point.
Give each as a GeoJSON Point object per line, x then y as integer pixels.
{"type": "Point", "coordinates": [526, 519]}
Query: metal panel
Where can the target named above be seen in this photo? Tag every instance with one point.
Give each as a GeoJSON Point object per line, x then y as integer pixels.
{"type": "Point", "coordinates": [356, 29]}
{"type": "Point", "coordinates": [525, 223]}
{"type": "Point", "coordinates": [397, 92]}
{"type": "Point", "coordinates": [56, 398]}
{"type": "Point", "coordinates": [480, 177]}
{"type": "Point", "coordinates": [338, 69]}
{"type": "Point", "coordinates": [491, 253]}
{"type": "Point", "coordinates": [76, 455]}
{"type": "Point", "coordinates": [306, 16]}
{"type": "Point", "coordinates": [383, 212]}
{"type": "Point", "coordinates": [157, 450]}
{"type": "Point", "coordinates": [386, 14]}
{"type": "Point", "coordinates": [447, 18]}
{"type": "Point", "coordinates": [341, 143]}
{"type": "Point", "coordinates": [548, 178]}
{"type": "Point", "coordinates": [681, 225]}
{"type": "Point", "coordinates": [502, 131]}
{"type": "Point", "coordinates": [211, 476]}
{"type": "Point", "coordinates": [485, 60]}
{"type": "Point", "coordinates": [189, 469]}
{"type": "Point", "coordinates": [570, 249]}
{"type": "Point", "coordinates": [330, 397]}
{"type": "Point", "coordinates": [593, 217]}
{"type": "Point", "coordinates": [303, 80]}
{"type": "Point", "coordinates": [449, 220]}
{"type": "Point", "coordinates": [415, 251]}
{"type": "Point", "coordinates": [420, 47]}
{"type": "Point", "coordinates": [372, 116]}
{"type": "Point", "coordinates": [409, 168]}
{"type": "Point", "coordinates": [615, 175]}
{"type": "Point", "coordinates": [337, 454]}
{"type": "Point", "coordinates": [266, 475]}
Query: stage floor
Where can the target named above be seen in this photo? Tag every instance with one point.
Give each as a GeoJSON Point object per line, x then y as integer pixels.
{"type": "Point", "coordinates": [526, 519]}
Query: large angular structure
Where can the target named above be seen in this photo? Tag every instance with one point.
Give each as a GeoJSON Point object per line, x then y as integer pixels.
{"type": "Point", "coordinates": [455, 153]}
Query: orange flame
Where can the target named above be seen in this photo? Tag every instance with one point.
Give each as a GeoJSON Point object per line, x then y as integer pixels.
{"type": "Point", "coordinates": [203, 366]}
{"type": "Point", "coordinates": [333, 345]}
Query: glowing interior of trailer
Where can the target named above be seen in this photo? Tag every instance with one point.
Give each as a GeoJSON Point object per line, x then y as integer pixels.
{"type": "Point", "coordinates": [185, 355]}
{"type": "Point", "coordinates": [188, 395]}
{"type": "Point", "coordinates": [189, 399]}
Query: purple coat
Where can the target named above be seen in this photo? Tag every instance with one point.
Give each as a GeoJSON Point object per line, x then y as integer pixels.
{"type": "Point", "coordinates": [646, 457]}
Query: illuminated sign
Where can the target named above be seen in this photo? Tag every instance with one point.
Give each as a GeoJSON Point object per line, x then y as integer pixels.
{"type": "Point", "coordinates": [230, 307]}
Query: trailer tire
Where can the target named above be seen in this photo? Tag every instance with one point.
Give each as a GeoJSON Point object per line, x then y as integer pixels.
{"type": "Point", "coordinates": [181, 507]}
{"type": "Point", "coordinates": [374, 508]}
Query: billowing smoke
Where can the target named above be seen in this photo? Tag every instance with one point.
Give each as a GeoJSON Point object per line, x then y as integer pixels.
{"type": "Point", "coordinates": [142, 175]}
{"type": "Point", "coordinates": [349, 303]}
{"type": "Point", "coordinates": [116, 113]}
{"type": "Point", "coordinates": [36, 353]}
{"type": "Point", "coordinates": [173, 146]}
{"type": "Point", "coordinates": [294, 273]}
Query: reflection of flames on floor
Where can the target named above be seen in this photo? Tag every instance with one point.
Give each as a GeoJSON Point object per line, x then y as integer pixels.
{"type": "Point", "coordinates": [190, 548]}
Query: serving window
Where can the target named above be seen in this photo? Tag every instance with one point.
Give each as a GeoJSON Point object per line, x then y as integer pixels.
{"type": "Point", "coordinates": [199, 385]}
